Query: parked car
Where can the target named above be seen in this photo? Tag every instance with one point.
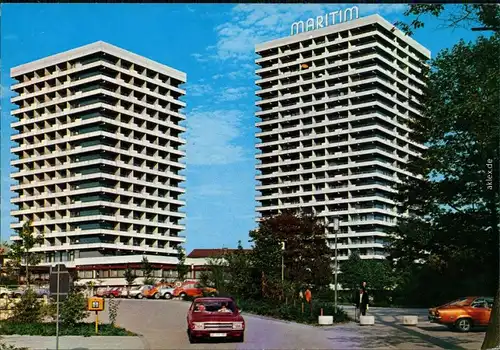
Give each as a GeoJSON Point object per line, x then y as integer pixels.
{"type": "Point", "coordinates": [40, 292]}
{"type": "Point", "coordinates": [215, 317]}
{"type": "Point", "coordinates": [115, 292]}
{"type": "Point", "coordinates": [136, 292]}
{"type": "Point", "coordinates": [5, 293]}
{"type": "Point", "coordinates": [151, 292]}
{"type": "Point", "coordinates": [193, 289]}
{"type": "Point", "coordinates": [166, 292]}
{"type": "Point", "coordinates": [464, 313]}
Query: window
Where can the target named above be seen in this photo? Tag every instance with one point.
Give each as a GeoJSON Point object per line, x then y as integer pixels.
{"type": "Point", "coordinates": [113, 274]}
{"type": "Point", "coordinates": [121, 273]}
{"type": "Point", "coordinates": [105, 273]}
{"type": "Point", "coordinates": [87, 274]}
{"type": "Point", "coordinates": [139, 273]}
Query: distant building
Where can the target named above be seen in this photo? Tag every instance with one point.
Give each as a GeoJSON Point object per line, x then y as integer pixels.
{"type": "Point", "coordinates": [99, 163]}
{"type": "Point", "coordinates": [335, 105]}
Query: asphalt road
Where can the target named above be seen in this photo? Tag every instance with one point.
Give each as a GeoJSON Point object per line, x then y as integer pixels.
{"type": "Point", "coordinates": [163, 326]}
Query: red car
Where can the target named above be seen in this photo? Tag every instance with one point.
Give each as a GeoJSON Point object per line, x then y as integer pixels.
{"type": "Point", "coordinates": [463, 314]}
{"type": "Point", "coordinates": [110, 293]}
{"type": "Point", "coordinates": [215, 317]}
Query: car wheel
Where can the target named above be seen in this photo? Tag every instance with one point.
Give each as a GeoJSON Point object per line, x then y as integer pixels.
{"type": "Point", "coordinates": [463, 325]}
{"type": "Point", "coordinates": [183, 296]}
{"type": "Point", "coordinates": [168, 296]}
{"type": "Point", "coordinates": [156, 296]}
{"type": "Point", "coordinates": [3, 295]}
{"type": "Point", "coordinates": [192, 339]}
{"type": "Point", "coordinates": [241, 338]}
{"type": "Point", "coordinates": [140, 296]}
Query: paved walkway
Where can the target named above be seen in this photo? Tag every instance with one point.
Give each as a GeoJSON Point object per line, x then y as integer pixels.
{"type": "Point", "coordinates": [75, 343]}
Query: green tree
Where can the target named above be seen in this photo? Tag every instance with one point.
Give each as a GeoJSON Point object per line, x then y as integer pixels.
{"type": "Point", "coordinates": [240, 270]}
{"type": "Point", "coordinates": [147, 269]}
{"type": "Point", "coordinates": [216, 275]}
{"type": "Point", "coordinates": [21, 249]}
{"type": "Point", "coordinates": [182, 268]}
{"type": "Point", "coordinates": [306, 255]}
{"type": "Point", "coordinates": [29, 309]}
{"type": "Point", "coordinates": [470, 16]}
{"type": "Point", "coordinates": [377, 274]}
{"type": "Point", "coordinates": [73, 309]}
{"type": "Point", "coordinates": [454, 205]}
{"type": "Point", "coordinates": [130, 278]}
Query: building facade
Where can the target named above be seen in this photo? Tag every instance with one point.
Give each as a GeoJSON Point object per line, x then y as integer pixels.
{"type": "Point", "coordinates": [98, 136]}
{"type": "Point", "coordinates": [335, 105]}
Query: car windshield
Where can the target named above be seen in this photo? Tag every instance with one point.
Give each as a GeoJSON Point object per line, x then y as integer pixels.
{"type": "Point", "coordinates": [215, 306]}
{"type": "Point", "coordinates": [459, 302]}
{"type": "Point", "coordinates": [135, 288]}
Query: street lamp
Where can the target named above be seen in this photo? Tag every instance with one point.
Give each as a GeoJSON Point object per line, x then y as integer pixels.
{"type": "Point", "coordinates": [336, 230]}
{"type": "Point", "coordinates": [282, 262]}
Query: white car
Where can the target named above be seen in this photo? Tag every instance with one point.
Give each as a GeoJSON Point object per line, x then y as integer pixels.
{"type": "Point", "coordinates": [166, 293]}
{"type": "Point", "coordinates": [5, 293]}
{"type": "Point", "coordinates": [136, 292]}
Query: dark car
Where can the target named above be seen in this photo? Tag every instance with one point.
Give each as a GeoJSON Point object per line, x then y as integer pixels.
{"type": "Point", "coordinates": [215, 317]}
{"type": "Point", "coordinates": [464, 313]}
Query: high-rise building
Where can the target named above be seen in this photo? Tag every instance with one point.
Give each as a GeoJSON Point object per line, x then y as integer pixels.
{"type": "Point", "coordinates": [333, 126]}
{"type": "Point", "coordinates": [99, 161]}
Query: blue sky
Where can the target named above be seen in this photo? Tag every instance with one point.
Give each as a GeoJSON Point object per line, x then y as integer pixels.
{"type": "Point", "coordinates": [214, 45]}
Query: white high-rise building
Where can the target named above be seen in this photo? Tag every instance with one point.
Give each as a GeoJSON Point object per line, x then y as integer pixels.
{"type": "Point", "coordinates": [333, 126]}
{"type": "Point", "coordinates": [98, 137]}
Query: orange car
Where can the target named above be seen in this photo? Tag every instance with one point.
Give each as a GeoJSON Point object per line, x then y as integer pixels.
{"type": "Point", "coordinates": [193, 289]}
{"type": "Point", "coordinates": [464, 313]}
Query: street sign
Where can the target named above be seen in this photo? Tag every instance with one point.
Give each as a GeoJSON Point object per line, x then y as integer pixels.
{"type": "Point", "coordinates": [60, 281]}
{"type": "Point", "coordinates": [95, 304]}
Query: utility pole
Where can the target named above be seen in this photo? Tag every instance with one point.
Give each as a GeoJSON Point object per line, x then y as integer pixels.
{"type": "Point", "coordinates": [282, 262]}
{"type": "Point", "coordinates": [336, 230]}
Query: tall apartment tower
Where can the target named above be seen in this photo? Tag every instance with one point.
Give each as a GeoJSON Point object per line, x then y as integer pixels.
{"type": "Point", "coordinates": [98, 137]}
{"type": "Point", "coordinates": [333, 126]}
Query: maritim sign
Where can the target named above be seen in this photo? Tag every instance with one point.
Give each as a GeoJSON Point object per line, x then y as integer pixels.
{"type": "Point", "coordinates": [326, 20]}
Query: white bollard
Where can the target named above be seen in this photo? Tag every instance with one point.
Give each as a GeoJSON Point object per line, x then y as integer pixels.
{"type": "Point", "coordinates": [366, 320]}
{"type": "Point", "coordinates": [325, 320]}
{"type": "Point", "coordinates": [410, 320]}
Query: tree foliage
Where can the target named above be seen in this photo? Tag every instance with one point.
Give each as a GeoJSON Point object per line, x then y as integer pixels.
{"type": "Point", "coordinates": [21, 250]}
{"type": "Point", "coordinates": [454, 232]}
{"type": "Point", "coordinates": [130, 278]}
{"type": "Point", "coordinates": [182, 268]}
{"type": "Point", "coordinates": [376, 273]}
{"type": "Point", "coordinates": [484, 16]}
{"type": "Point", "coordinates": [147, 269]}
{"type": "Point", "coordinates": [306, 255]}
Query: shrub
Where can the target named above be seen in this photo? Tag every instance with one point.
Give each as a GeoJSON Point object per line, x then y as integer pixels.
{"type": "Point", "coordinates": [291, 312]}
{"type": "Point", "coordinates": [113, 310]}
{"type": "Point", "coordinates": [74, 309]}
{"type": "Point", "coordinates": [28, 309]}
{"type": "Point", "coordinates": [49, 329]}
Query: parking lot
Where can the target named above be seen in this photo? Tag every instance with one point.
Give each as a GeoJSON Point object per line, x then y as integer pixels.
{"type": "Point", "coordinates": [163, 326]}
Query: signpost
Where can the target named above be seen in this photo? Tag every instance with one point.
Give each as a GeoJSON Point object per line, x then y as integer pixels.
{"type": "Point", "coordinates": [96, 304]}
{"type": "Point", "coordinates": [60, 286]}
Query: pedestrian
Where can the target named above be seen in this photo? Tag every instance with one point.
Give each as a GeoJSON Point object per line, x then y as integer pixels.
{"type": "Point", "coordinates": [362, 300]}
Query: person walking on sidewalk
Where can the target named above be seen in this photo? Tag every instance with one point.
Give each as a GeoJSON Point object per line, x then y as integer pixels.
{"type": "Point", "coordinates": [362, 300]}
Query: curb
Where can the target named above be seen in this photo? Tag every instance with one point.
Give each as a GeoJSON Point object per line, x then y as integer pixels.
{"type": "Point", "coordinates": [144, 341]}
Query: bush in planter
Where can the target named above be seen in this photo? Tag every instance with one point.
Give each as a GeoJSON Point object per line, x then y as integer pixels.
{"type": "Point", "coordinates": [29, 309]}
{"type": "Point", "coordinates": [74, 309]}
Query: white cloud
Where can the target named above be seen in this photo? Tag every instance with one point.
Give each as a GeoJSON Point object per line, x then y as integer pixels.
{"type": "Point", "coordinates": [256, 23]}
{"type": "Point", "coordinates": [233, 94]}
{"type": "Point", "coordinates": [198, 89]}
{"type": "Point", "coordinates": [211, 137]}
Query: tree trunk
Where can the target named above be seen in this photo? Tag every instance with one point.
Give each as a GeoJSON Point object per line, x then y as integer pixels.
{"type": "Point", "coordinates": [27, 273]}
{"type": "Point", "coordinates": [492, 337]}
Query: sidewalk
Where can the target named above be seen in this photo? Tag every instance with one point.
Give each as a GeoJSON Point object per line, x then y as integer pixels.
{"type": "Point", "coordinates": [75, 342]}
